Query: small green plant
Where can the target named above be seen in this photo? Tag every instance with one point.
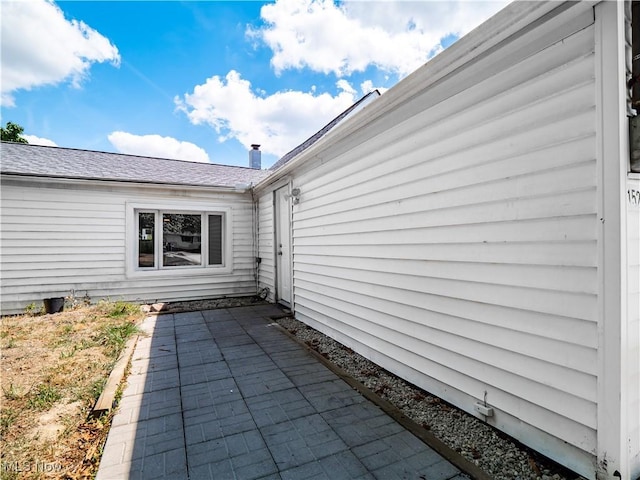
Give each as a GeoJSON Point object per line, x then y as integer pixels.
{"type": "Point", "coordinates": [118, 308]}
{"type": "Point", "coordinates": [86, 343]}
{"type": "Point", "coordinates": [44, 397]}
{"type": "Point", "coordinates": [32, 310]}
{"type": "Point", "coordinates": [114, 337]}
{"type": "Point", "coordinates": [63, 337]}
{"type": "Point", "coordinates": [68, 353]}
{"type": "Point", "coordinates": [7, 418]}
{"type": "Point", "coordinates": [12, 393]}
{"type": "Point", "coordinates": [11, 343]}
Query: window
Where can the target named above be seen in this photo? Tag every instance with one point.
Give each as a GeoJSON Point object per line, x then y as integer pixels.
{"type": "Point", "coordinates": [179, 240]}
{"type": "Point", "coordinates": [146, 234]}
{"type": "Point", "coordinates": [179, 234]}
{"type": "Point", "coordinates": [215, 239]}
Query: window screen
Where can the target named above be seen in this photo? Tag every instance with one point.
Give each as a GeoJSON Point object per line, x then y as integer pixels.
{"type": "Point", "coordinates": [215, 239]}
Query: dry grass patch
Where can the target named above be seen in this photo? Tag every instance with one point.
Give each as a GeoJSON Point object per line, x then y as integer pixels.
{"type": "Point", "coordinates": [54, 368]}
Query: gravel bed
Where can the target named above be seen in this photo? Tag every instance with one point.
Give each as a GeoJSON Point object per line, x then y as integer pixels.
{"type": "Point", "coordinates": [496, 454]}
{"type": "Point", "coordinates": [198, 305]}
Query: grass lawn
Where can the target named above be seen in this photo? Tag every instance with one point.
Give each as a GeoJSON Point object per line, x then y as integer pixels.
{"type": "Point", "coordinates": [53, 369]}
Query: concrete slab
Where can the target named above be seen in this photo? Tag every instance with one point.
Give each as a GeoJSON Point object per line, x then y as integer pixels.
{"type": "Point", "coordinates": [225, 394]}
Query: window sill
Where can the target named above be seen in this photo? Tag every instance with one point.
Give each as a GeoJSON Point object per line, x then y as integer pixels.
{"type": "Point", "coordinates": [179, 272]}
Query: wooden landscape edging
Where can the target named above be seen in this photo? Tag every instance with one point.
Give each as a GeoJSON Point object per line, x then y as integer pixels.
{"type": "Point", "coordinates": [106, 401]}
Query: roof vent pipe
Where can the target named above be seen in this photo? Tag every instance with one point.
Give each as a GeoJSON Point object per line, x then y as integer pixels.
{"type": "Point", "coordinates": [255, 157]}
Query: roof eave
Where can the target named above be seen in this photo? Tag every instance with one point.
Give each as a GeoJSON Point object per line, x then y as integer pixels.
{"type": "Point", "coordinates": [107, 181]}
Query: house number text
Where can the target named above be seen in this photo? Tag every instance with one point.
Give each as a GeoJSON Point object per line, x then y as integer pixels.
{"type": "Point", "coordinates": [633, 197]}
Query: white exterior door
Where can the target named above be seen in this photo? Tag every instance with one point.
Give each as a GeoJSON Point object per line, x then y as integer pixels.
{"type": "Point", "coordinates": [283, 245]}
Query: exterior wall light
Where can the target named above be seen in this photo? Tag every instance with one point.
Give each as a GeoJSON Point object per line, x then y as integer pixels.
{"type": "Point", "coordinates": [295, 196]}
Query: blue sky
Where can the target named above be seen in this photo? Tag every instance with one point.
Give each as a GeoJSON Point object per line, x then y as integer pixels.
{"type": "Point", "coordinates": [202, 80]}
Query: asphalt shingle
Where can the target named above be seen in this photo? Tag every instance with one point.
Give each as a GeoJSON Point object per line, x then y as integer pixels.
{"type": "Point", "coordinates": [57, 162]}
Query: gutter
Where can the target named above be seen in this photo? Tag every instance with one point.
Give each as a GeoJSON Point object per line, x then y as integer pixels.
{"type": "Point", "coordinates": [42, 178]}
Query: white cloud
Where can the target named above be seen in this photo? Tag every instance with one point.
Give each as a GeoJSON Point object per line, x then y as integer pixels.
{"type": "Point", "coordinates": [367, 86]}
{"type": "Point", "coordinates": [343, 85]}
{"type": "Point", "coordinates": [40, 47]}
{"type": "Point", "coordinates": [277, 122]}
{"type": "Point", "coordinates": [396, 37]}
{"type": "Point", "coordinates": [33, 140]}
{"type": "Point", "coordinates": [157, 146]}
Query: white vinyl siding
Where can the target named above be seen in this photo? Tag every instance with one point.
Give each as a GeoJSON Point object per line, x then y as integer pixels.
{"type": "Point", "coordinates": [266, 251]}
{"type": "Point", "coordinates": [633, 341]}
{"type": "Point", "coordinates": [454, 241]}
{"type": "Point", "coordinates": [59, 238]}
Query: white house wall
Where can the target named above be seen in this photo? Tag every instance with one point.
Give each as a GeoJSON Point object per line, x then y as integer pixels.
{"type": "Point", "coordinates": [453, 239]}
{"type": "Point", "coordinates": [633, 285]}
{"type": "Point", "coordinates": [266, 251]}
{"type": "Point", "coordinates": [633, 252]}
{"type": "Point", "coordinates": [62, 237]}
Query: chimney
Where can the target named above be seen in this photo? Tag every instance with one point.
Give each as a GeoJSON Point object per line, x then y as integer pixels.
{"type": "Point", "coordinates": [255, 157]}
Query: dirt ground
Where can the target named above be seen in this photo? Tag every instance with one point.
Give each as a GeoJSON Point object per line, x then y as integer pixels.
{"type": "Point", "coordinates": [53, 368]}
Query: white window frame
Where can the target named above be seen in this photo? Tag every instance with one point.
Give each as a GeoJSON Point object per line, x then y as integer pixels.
{"type": "Point", "coordinates": [204, 210]}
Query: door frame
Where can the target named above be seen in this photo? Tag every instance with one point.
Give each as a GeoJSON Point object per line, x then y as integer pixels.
{"type": "Point", "coordinates": [280, 272]}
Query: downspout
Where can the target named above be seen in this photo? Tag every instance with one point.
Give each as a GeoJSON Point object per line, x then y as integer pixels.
{"type": "Point", "coordinates": [254, 228]}
{"type": "Point", "coordinates": [255, 162]}
{"type": "Point", "coordinates": [262, 293]}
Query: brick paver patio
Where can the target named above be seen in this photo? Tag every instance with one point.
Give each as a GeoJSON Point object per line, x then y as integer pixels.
{"type": "Point", "coordinates": [224, 394]}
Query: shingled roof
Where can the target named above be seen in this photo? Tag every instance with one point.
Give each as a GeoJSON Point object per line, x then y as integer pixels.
{"type": "Point", "coordinates": [57, 162]}
{"type": "Point", "coordinates": [22, 159]}
{"type": "Point", "coordinates": [324, 130]}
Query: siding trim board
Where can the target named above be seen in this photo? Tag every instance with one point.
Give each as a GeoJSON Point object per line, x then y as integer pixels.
{"type": "Point", "coordinates": [633, 339]}
{"type": "Point", "coordinates": [613, 155]}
